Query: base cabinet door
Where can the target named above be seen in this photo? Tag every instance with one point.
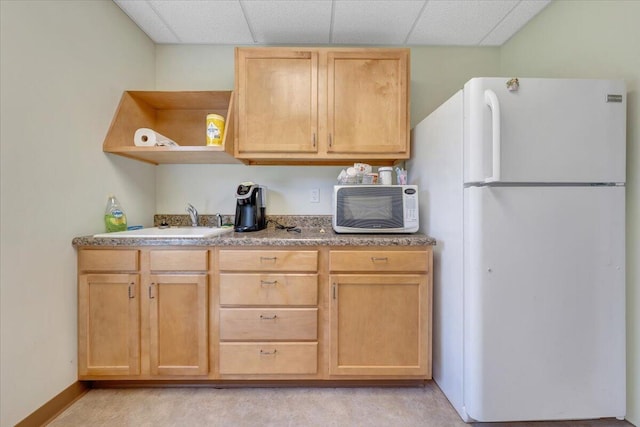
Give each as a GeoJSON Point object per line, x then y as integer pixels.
{"type": "Point", "coordinates": [178, 318]}
{"type": "Point", "coordinates": [379, 324]}
{"type": "Point", "coordinates": [108, 324]}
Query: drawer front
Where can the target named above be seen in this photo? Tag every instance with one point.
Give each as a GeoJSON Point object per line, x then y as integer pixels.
{"type": "Point", "coordinates": [268, 289]}
{"type": "Point", "coordinates": [268, 358]}
{"type": "Point", "coordinates": [379, 261]}
{"type": "Point", "coordinates": [178, 260]}
{"type": "Point", "coordinates": [241, 324]}
{"type": "Point", "coordinates": [248, 260]}
{"type": "Point", "coordinates": [108, 260]}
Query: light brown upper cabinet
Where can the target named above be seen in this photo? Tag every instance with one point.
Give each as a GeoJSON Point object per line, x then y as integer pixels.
{"type": "Point", "coordinates": [324, 105]}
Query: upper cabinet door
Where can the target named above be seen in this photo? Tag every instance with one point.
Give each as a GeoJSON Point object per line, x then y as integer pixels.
{"type": "Point", "coordinates": [368, 101]}
{"type": "Point", "coordinates": [277, 93]}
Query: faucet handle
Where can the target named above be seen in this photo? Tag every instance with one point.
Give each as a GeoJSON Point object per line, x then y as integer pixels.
{"type": "Point", "coordinates": [193, 213]}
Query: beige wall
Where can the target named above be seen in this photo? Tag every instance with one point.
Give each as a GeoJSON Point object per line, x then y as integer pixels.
{"type": "Point", "coordinates": [436, 73]}
{"type": "Point", "coordinates": [595, 39]}
{"type": "Point", "coordinates": [64, 65]}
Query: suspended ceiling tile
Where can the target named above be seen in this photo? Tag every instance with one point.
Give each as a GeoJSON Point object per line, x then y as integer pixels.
{"type": "Point", "coordinates": [374, 22]}
{"type": "Point", "coordinates": [459, 22]}
{"type": "Point", "coordinates": [518, 18]}
{"type": "Point", "coordinates": [204, 21]}
{"type": "Point", "coordinates": [289, 21]}
{"type": "Point", "coordinates": [147, 20]}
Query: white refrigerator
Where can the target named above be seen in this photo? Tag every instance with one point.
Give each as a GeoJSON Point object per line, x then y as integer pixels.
{"type": "Point", "coordinates": [523, 186]}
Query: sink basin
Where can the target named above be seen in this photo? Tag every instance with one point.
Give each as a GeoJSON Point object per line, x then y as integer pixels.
{"type": "Point", "coordinates": [171, 232]}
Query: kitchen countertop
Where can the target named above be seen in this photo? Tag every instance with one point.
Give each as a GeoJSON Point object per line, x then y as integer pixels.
{"type": "Point", "coordinates": [313, 233]}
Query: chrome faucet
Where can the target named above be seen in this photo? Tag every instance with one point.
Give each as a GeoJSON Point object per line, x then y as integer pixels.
{"type": "Point", "coordinates": [193, 213]}
{"type": "Point", "coordinates": [218, 220]}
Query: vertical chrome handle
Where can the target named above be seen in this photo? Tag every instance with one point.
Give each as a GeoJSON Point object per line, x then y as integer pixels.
{"type": "Point", "coordinates": [130, 290]}
{"type": "Point", "coordinates": [491, 100]}
{"type": "Point", "coordinates": [150, 294]}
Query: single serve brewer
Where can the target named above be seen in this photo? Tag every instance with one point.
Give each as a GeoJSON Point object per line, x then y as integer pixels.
{"type": "Point", "coordinates": [250, 207]}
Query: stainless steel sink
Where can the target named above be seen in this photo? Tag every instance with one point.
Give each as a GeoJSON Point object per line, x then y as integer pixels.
{"type": "Point", "coordinates": [171, 232]}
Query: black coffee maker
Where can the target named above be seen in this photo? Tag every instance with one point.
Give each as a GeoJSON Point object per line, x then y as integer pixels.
{"type": "Point", "coordinates": [250, 207]}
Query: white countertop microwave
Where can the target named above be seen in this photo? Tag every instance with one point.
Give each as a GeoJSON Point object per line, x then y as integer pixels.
{"type": "Point", "coordinates": [375, 208]}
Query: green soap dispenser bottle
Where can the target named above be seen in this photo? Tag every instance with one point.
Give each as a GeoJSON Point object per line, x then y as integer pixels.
{"type": "Point", "coordinates": [114, 217]}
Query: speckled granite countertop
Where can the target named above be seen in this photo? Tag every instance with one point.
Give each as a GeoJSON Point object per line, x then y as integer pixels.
{"type": "Point", "coordinates": [314, 231]}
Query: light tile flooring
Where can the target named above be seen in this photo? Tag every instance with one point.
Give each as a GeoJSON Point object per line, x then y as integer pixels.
{"type": "Point", "coordinates": [263, 407]}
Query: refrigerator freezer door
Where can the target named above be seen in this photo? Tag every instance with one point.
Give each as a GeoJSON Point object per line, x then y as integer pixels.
{"type": "Point", "coordinates": [544, 303]}
{"type": "Point", "coordinates": [549, 130]}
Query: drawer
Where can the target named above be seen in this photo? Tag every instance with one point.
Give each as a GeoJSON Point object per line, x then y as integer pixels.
{"type": "Point", "coordinates": [178, 260]}
{"type": "Point", "coordinates": [268, 289]}
{"type": "Point", "coordinates": [241, 324]}
{"type": "Point", "coordinates": [379, 261]}
{"type": "Point", "coordinates": [108, 260]}
{"type": "Point", "coordinates": [268, 358]}
{"type": "Point", "coordinates": [248, 260]}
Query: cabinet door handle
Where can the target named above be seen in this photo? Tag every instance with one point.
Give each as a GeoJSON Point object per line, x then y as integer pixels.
{"type": "Point", "coordinates": [265, 352]}
{"type": "Point", "coordinates": [268, 282]}
{"type": "Point", "coordinates": [151, 296]}
{"type": "Point", "coordinates": [130, 290]}
{"type": "Point", "coordinates": [334, 290]}
{"type": "Point", "coordinates": [263, 317]}
{"type": "Point", "coordinates": [330, 141]}
{"type": "Point", "coordinates": [268, 258]}
{"type": "Point", "coordinates": [314, 140]}
{"type": "Point", "coordinates": [374, 259]}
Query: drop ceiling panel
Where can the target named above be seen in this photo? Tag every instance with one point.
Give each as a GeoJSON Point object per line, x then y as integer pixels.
{"type": "Point", "coordinates": [519, 16]}
{"type": "Point", "coordinates": [459, 22]}
{"type": "Point", "coordinates": [374, 22]}
{"type": "Point", "coordinates": [147, 20]}
{"type": "Point", "coordinates": [289, 21]}
{"type": "Point", "coordinates": [208, 22]}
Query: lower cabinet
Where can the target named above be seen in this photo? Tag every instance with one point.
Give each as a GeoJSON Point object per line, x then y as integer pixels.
{"type": "Point", "coordinates": [108, 324]}
{"type": "Point", "coordinates": [380, 313]}
{"type": "Point", "coordinates": [268, 313]}
{"type": "Point", "coordinates": [147, 324]}
{"type": "Point", "coordinates": [343, 313]}
{"type": "Point", "coordinates": [178, 317]}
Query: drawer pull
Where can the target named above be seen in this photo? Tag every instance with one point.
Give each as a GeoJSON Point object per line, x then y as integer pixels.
{"type": "Point", "coordinates": [374, 259]}
{"type": "Point", "coordinates": [263, 317]}
{"type": "Point", "coordinates": [268, 258]}
{"type": "Point", "coordinates": [131, 295]}
{"type": "Point", "coordinates": [150, 294]}
{"type": "Point", "coordinates": [268, 282]}
{"type": "Point", "coordinates": [265, 353]}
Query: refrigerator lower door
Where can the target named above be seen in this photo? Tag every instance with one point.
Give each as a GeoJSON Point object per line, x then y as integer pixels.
{"type": "Point", "coordinates": [544, 303]}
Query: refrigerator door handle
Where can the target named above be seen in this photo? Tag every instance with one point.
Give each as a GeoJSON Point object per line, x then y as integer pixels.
{"type": "Point", "coordinates": [491, 100]}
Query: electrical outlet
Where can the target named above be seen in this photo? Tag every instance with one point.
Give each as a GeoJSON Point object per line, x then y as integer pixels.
{"type": "Point", "coordinates": [315, 195]}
